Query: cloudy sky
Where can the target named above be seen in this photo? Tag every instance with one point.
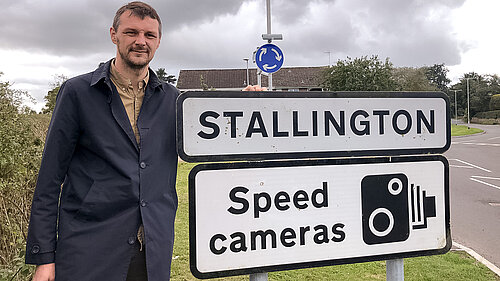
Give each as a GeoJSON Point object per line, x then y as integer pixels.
{"type": "Point", "coordinates": [44, 38]}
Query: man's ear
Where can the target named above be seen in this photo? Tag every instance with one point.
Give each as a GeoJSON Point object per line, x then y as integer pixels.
{"type": "Point", "coordinates": [112, 33]}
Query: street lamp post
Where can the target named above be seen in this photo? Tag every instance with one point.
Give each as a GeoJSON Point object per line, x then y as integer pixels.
{"type": "Point", "coordinates": [456, 114]}
{"type": "Point", "coordinates": [248, 75]}
{"type": "Point", "coordinates": [329, 60]}
{"type": "Point", "coordinates": [468, 103]}
{"type": "Point", "coordinates": [468, 100]}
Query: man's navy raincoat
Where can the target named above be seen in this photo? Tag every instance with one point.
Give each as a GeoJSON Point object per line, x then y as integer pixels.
{"type": "Point", "coordinates": [109, 182]}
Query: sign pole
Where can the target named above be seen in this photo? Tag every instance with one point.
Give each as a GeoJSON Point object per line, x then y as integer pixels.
{"type": "Point", "coordinates": [258, 277]}
{"type": "Point", "coordinates": [268, 8]}
{"type": "Point", "coordinates": [395, 270]}
{"type": "Point", "coordinates": [263, 276]}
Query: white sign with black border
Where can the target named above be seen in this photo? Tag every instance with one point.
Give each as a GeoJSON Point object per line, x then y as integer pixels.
{"type": "Point", "coordinates": [267, 216]}
{"type": "Point", "coordinates": [220, 126]}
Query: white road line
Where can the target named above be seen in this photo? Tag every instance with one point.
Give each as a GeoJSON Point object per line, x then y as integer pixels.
{"type": "Point", "coordinates": [481, 143]}
{"type": "Point", "coordinates": [485, 183]}
{"type": "Point", "coordinates": [494, 138]}
{"type": "Point", "coordinates": [458, 166]}
{"type": "Point", "coordinates": [477, 167]}
{"type": "Point", "coordinates": [486, 178]}
{"type": "Point", "coordinates": [478, 257]}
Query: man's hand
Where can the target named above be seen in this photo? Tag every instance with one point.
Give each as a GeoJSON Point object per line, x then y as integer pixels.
{"type": "Point", "coordinates": [45, 272]}
{"type": "Point", "coordinates": [255, 88]}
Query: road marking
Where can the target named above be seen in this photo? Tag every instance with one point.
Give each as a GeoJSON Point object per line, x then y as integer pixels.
{"type": "Point", "coordinates": [485, 183]}
{"type": "Point", "coordinates": [494, 138]}
{"type": "Point", "coordinates": [466, 163]}
{"type": "Point", "coordinates": [481, 143]}
{"type": "Point", "coordinates": [494, 204]}
{"type": "Point", "coordinates": [486, 178]}
{"type": "Point", "coordinates": [478, 257]}
{"type": "Point", "coordinates": [458, 166]}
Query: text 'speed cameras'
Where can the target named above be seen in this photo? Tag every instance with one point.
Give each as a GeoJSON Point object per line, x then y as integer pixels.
{"type": "Point", "coordinates": [389, 208]}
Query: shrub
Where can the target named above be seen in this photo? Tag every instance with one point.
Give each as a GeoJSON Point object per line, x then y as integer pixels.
{"type": "Point", "coordinates": [495, 102]}
{"type": "Point", "coordinates": [494, 114]}
{"type": "Point", "coordinates": [20, 154]}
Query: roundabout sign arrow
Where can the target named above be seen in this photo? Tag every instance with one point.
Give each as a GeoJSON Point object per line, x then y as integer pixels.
{"type": "Point", "coordinates": [269, 58]}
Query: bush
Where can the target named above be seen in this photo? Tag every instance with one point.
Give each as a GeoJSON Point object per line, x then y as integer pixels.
{"type": "Point", "coordinates": [20, 154]}
{"type": "Point", "coordinates": [494, 114]}
{"type": "Point", "coordinates": [495, 102]}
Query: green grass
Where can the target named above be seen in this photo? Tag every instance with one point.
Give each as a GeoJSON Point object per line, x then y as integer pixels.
{"type": "Point", "coordinates": [462, 130]}
{"type": "Point", "coordinates": [453, 266]}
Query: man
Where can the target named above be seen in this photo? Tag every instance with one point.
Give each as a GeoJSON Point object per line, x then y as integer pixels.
{"type": "Point", "coordinates": [111, 144]}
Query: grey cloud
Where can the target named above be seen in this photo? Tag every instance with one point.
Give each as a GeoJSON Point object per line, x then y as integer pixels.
{"type": "Point", "coordinates": [291, 11]}
{"type": "Point", "coordinates": [82, 27]}
{"type": "Point", "coordinates": [411, 33]}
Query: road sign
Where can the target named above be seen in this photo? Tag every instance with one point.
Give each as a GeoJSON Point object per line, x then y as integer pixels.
{"type": "Point", "coordinates": [218, 126]}
{"type": "Point", "coordinates": [269, 58]}
{"type": "Point", "coordinates": [267, 216]}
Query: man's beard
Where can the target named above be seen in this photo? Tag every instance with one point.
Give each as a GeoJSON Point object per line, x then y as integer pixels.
{"type": "Point", "coordinates": [132, 64]}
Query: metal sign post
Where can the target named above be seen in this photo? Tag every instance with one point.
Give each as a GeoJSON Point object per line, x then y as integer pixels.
{"type": "Point", "coordinates": [270, 77]}
{"type": "Point", "coordinates": [263, 276]}
{"type": "Point", "coordinates": [278, 62]}
{"type": "Point", "coordinates": [258, 277]}
{"type": "Point", "coordinates": [395, 270]}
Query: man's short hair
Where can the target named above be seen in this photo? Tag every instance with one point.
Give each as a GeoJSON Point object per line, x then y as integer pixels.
{"type": "Point", "coordinates": [138, 9]}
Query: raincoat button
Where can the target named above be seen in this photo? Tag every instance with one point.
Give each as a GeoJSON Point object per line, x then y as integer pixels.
{"type": "Point", "coordinates": [143, 203]}
{"type": "Point", "coordinates": [35, 249]}
{"type": "Point", "coordinates": [131, 240]}
{"type": "Point", "coordinates": [143, 165]}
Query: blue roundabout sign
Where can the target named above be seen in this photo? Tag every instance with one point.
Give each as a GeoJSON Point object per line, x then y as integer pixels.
{"type": "Point", "coordinates": [269, 58]}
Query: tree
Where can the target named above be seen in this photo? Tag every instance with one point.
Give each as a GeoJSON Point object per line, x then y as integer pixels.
{"type": "Point", "coordinates": [163, 76]}
{"type": "Point", "coordinates": [412, 79]}
{"type": "Point", "coordinates": [481, 88]}
{"type": "Point", "coordinates": [360, 74]}
{"type": "Point", "coordinates": [50, 98]}
{"type": "Point", "coordinates": [438, 76]}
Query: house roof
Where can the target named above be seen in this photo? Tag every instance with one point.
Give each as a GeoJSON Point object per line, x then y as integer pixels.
{"type": "Point", "coordinates": [285, 78]}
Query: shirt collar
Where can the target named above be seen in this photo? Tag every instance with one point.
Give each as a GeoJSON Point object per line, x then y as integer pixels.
{"type": "Point", "coordinates": [103, 71]}
{"type": "Point", "coordinates": [124, 82]}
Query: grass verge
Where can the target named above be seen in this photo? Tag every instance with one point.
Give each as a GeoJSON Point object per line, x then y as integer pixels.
{"type": "Point", "coordinates": [462, 130]}
{"type": "Point", "coordinates": [453, 266]}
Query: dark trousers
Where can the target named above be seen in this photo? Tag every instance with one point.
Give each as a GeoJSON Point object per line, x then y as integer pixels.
{"type": "Point", "coordinates": [137, 268]}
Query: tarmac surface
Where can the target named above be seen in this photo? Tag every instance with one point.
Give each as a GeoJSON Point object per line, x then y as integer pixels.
{"type": "Point", "coordinates": [475, 191]}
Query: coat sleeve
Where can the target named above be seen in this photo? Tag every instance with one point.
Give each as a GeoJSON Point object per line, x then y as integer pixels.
{"type": "Point", "coordinates": [60, 143]}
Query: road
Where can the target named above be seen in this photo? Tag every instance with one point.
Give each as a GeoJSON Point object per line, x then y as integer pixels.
{"type": "Point", "coordinates": [475, 191]}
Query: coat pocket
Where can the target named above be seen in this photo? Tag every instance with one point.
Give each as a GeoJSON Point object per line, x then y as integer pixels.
{"type": "Point", "coordinates": [86, 212]}
{"type": "Point", "coordinates": [104, 201]}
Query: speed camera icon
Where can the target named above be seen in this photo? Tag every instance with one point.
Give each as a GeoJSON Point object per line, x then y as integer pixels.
{"type": "Point", "coordinates": [390, 208]}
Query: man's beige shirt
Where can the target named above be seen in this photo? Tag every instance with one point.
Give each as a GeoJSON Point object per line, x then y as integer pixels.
{"type": "Point", "coordinates": [132, 101]}
{"type": "Point", "coordinates": [131, 98]}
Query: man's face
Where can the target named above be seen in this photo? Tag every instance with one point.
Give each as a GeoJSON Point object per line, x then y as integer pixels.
{"type": "Point", "coordinates": [136, 40]}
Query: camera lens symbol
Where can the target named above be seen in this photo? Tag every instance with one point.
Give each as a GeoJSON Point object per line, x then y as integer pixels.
{"type": "Point", "coordinates": [381, 211]}
{"type": "Point", "coordinates": [395, 186]}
